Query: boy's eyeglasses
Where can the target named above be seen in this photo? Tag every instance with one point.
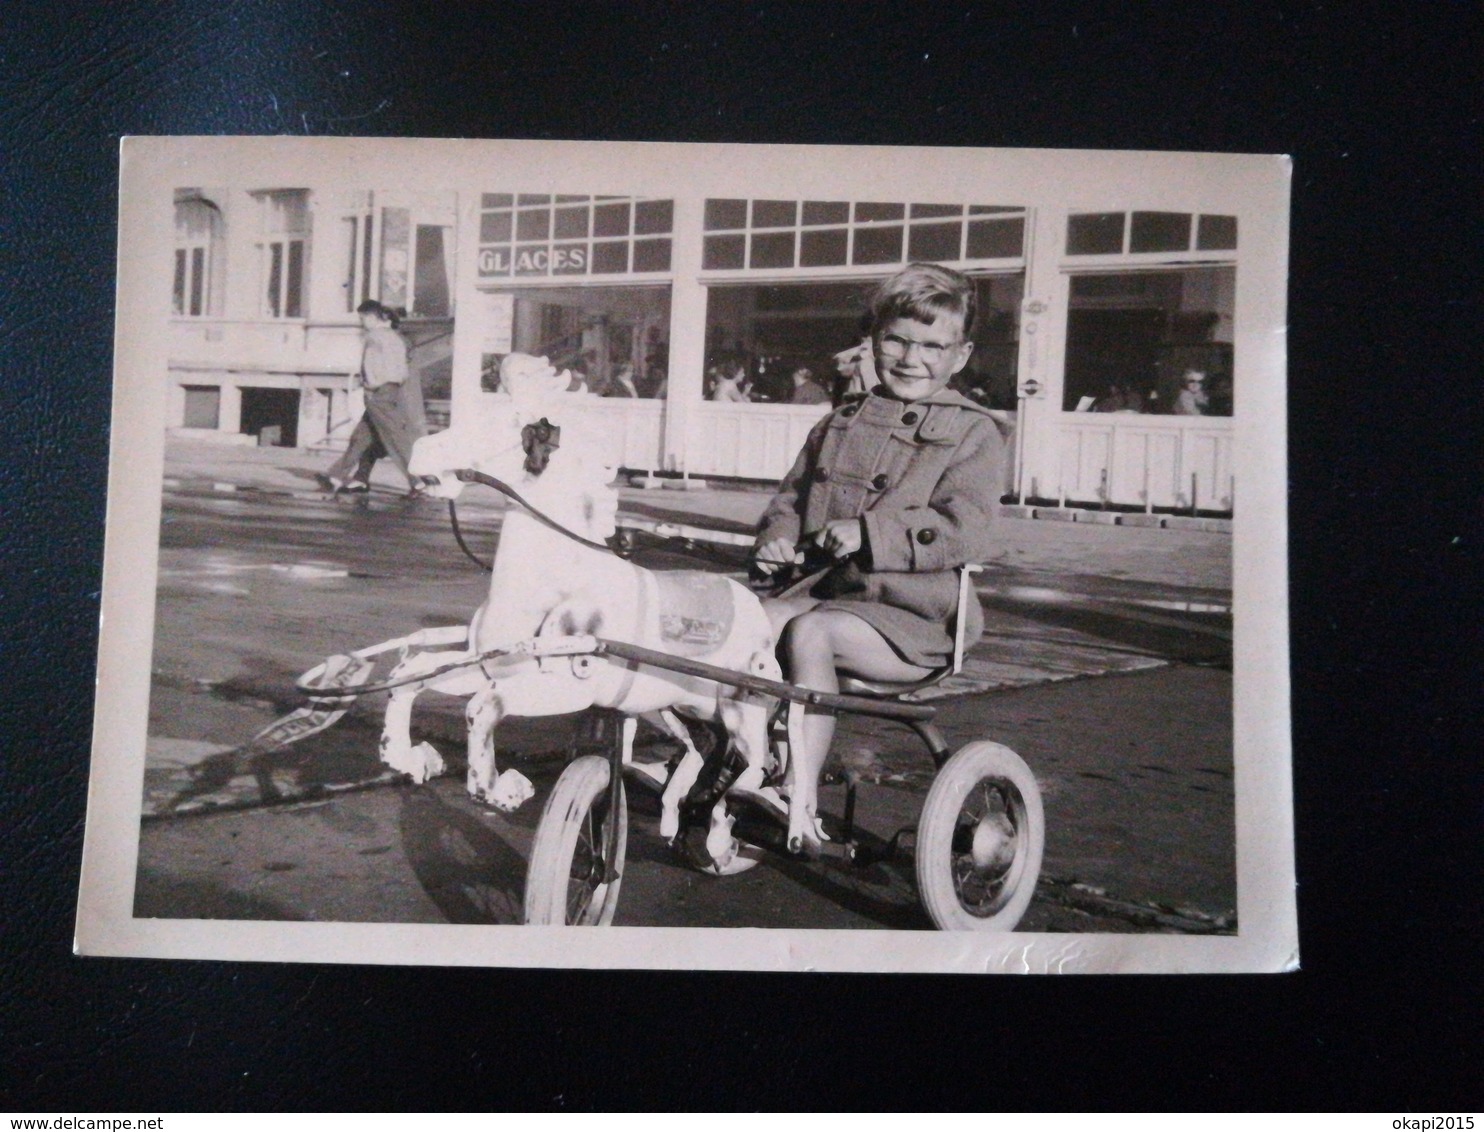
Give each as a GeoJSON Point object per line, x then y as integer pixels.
{"type": "Point", "coordinates": [894, 346]}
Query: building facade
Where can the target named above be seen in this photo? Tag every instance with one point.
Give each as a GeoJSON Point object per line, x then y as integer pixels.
{"type": "Point", "coordinates": [1099, 301]}
{"type": "Point", "coordinates": [264, 334]}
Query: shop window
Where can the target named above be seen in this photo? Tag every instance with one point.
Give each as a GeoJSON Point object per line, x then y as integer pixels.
{"type": "Point", "coordinates": [773, 235]}
{"type": "Point", "coordinates": [198, 237]}
{"type": "Point", "coordinates": [614, 340]}
{"type": "Point", "coordinates": [432, 273]}
{"type": "Point", "coordinates": [1159, 232]}
{"type": "Point", "coordinates": [537, 235]}
{"type": "Point", "coordinates": [878, 245]}
{"type": "Point", "coordinates": [1216, 233]}
{"type": "Point", "coordinates": [936, 242]}
{"type": "Point", "coordinates": [284, 226]}
{"type": "Point", "coordinates": [203, 406]}
{"type": "Point", "coordinates": [358, 259]}
{"type": "Point", "coordinates": [772, 331]}
{"type": "Point", "coordinates": [1156, 342]}
{"type": "Point", "coordinates": [1103, 233]}
{"type": "Point", "coordinates": [1095, 233]}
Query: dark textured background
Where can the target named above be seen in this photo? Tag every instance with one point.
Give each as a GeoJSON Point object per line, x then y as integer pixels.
{"type": "Point", "coordinates": [1382, 116]}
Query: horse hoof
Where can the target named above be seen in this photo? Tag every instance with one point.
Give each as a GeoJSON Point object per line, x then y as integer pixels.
{"type": "Point", "coordinates": [512, 790]}
{"type": "Point", "coordinates": [805, 848]}
{"type": "Point", "coordinates": [738, 858]}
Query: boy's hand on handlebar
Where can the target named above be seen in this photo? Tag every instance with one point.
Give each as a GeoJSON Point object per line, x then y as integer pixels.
{"type": "Point", "coordinates": [839, 539]}
{"type": "Point", "coordinates": [776, 553]}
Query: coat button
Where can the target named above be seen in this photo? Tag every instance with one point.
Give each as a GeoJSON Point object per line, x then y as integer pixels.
{"type": "Point", "coordinates": [909, 418]}
{"type": "Point", "coordinates": [880, 482]}
{"type": "Point", "coordinates": [927, 536]}
{"type": "Point", "coordinates": [822, 474]}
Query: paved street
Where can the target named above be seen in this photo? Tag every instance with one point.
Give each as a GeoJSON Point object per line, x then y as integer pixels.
{"type": "Point", "coordinates": [1106, 665]}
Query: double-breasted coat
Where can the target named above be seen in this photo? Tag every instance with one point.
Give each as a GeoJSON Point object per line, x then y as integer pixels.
{"type": "Point", "coordinates": [925, 477]}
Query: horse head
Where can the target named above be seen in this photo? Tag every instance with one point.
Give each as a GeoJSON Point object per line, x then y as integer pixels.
{"type": "Point", "coordinates": [534, 436]}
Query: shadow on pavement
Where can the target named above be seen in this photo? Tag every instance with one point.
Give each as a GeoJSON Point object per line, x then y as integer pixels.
{"type": "Point", "coordinates": [464, 866]}
{"type": "Point", "coordinates": [157, 896]}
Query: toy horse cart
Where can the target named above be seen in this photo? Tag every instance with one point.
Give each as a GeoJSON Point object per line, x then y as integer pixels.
{"type": "Point", "coordinates": [978, 843]}
{"type": "Point", "coordinates": [571, 625]}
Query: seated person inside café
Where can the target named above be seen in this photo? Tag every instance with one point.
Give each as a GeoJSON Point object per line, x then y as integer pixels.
{"type": "Point", "coordinates": [891, 493]}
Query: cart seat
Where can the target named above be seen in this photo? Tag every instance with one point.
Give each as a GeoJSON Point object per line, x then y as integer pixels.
{"type": "Point", "coordinates": [882, 689]}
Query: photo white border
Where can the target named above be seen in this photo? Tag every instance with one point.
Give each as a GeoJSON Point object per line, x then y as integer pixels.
{"type": "Point", "coordinates": [151, 168]}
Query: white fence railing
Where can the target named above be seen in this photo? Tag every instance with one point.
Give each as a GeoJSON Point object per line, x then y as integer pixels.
{"type": "Point", "coordinates": [1144, 461]}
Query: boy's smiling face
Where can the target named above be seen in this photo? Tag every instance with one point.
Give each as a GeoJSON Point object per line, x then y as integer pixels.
{"type": "Point", "coordinates": [915, 359]}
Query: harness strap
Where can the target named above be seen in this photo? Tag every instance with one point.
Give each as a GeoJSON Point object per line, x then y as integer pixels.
{"type": "Point", "coordinates": [469, 475]}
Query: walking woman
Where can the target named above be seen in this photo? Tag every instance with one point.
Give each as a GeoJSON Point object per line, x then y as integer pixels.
{"type": "Point", "coordinates": [394, 416]}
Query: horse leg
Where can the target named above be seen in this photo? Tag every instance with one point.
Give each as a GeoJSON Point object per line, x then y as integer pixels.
{"type": "Point", "coordinates": [681, 779]}
{"type": "Point", "coordinates": [396, 750]}
{"type": "Point", "coordinates": [508, 789]}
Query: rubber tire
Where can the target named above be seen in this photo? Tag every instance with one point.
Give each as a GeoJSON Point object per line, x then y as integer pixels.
{"type": "Point", "coordinates": [938, 884]}
{"type": "Point", "coordinates": [567, 822]}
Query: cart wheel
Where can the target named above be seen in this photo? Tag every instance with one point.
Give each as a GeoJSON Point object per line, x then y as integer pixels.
{"type": "Point", "coordinates": [980, 840]}
{"type": "Point", "coordinates": [564, 879]}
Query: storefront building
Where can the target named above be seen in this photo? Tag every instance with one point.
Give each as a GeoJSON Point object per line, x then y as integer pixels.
{"type": "Point", "coordinates": [1105, 342]}
{"type": "Point", "coordinates": [1090, 320]}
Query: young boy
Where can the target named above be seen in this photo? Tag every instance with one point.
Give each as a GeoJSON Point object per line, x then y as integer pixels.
{"type": "Point", "coordinates": [892, 492]}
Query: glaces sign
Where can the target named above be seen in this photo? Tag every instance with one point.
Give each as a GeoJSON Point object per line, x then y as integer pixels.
{"type": "Point", "coordinates": [538, 259]}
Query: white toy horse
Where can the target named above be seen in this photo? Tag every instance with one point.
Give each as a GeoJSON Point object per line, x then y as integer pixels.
{"type": "Point", "coordinates": [546, 585]}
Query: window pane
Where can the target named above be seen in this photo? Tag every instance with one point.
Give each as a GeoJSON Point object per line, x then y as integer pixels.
{"type": "Point", "coordinates": [935, 241]}
{"type": "Point", "coordinates": [987, 209]}
{"type": "Point", "coordinates": [570, 199]}
{"type": "Point", "coordinates": [772, 249]}
{"type": "Point", "coordinates": [921, 210]}
{"type": "Point", "coordinates": [1095, 233]}
{"type": "Point", "coordinates": [530, 198]}
{"type": "Point", "coordinates": [774, 213]}
{"type": "Point", "coordinates": [571, 224]}
{"type": "Point", "coordinates": [723, 253]}
{"type": "Point", "coordinates": [826, 212]}
{"type": "Point", "coordinates": [771, 331]}
{"type": "Point", "coordinates": [180, 274]}
{"type": "Point", "coordinates": [823, 248]}
{"type": "Point", "coordinates": [494, 227]}
{"type": "Point", "coordinates": [495, 200]}
{"type": "Point", "coordinates": [611, 219]}
{"type": "Point", "coordinates": [198, 277]}
{"type": "Point", "coordinates": [651, 255]}
{"type": "Point", "coordinates": [1155, 342]}
{"type": "Point", "coordinates": [996, 239]}
{"type": "Point", "coordinates": [534, 225]}
{"type": "Point", "coordinates": [878, 245]}
{"type": "Point", "coordinates": [654, 217]}
{"type": "Point", "coordinates": [275, 278]}
{"type": "Point", "coordinates": [430, 285]}
{"type": "Point", "coordinates": [725, 214]}
{"type": "Point", "coordinates": [877, 211]}
{"type": "Point", "coordinates": [294, 302]}
{"type": "Point", "coordinates": [354, 243]}
{"type": "Point", "coordinates": [202, 406]}
{"type": "Point", "coordinates": [1216, 233]}
{"type": "Point", "coordinates": [1160, 232]}
{"type": "Point", "coordinates": [366, 259]}
{"type": "Point", "coordinates": [611, 258]}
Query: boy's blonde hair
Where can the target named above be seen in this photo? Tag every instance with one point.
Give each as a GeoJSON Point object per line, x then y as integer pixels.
{"type": "Point", "coordinates": [923, 291]}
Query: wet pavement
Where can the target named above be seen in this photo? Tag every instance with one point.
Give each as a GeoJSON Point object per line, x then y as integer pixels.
{"type": "Point", "coordinates": [1105, 665]}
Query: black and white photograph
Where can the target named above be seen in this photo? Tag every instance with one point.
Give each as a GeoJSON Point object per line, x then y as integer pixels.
{"type": "Point", "coordinates": [768, 557]}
